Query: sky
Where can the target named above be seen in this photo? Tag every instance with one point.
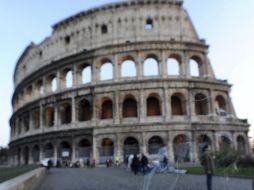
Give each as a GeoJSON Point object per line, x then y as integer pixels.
{"type": "Point", "coordinates": [226, 25]}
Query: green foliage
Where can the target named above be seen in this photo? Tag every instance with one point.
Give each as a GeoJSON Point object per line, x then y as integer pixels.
{"type": "Point", "coordinates": [226, 157]}
{"type": "Point", "coordinates": [7, 173]}
{"type": "Point", "coordinates": [3, 155]}
{"type": "Point", "coordinates": [246, 161]}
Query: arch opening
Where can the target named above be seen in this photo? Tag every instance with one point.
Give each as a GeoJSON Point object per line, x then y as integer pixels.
{"type": "Point", "coordinates": [106, 71]}
{"type": "Point", "coordinates": [107, 110]}
{"type": "Point", "coordinates": [181, 149]}
{"type": "Point", "coordinates": [85, 110]}
{"type": "Point", "coordinates": [151, 67]}
{"type": "Point", "coordinates": [153, 106]}
{"type": "Point", "coordinates": [130, 107]}
{"type": "Point", "coordinates": [155, 144]}
{"type": "Point", "coordinates": [201, 104]}
{"type": "Point", "coordinates": [131, 146]}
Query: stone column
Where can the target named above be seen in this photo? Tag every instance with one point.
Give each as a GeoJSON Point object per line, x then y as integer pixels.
{"type": "Point", "coordinates": [141, 106]}
{"type": "Point", "coordinates": [30, 155]}
{"type": "Point", "coordinates": [73, 111]}
{"type": "Point", "coordinates": [95, 150]}
{"type": "Point", "coordinates": [58, 81]}
{"type": "Point", "coordinates": [212, 106]}
{"type": "Point", "coordinates": [75, 82]}
{"type": "Point", "coordinates": [55, 151]}
{"type": "Point", "coordinates": [73, 156]}
{"type": "Point", "coordinates": [31, 126]}
{"type": "Point", "coordinates": [40, 152]}
{"type": "Point", "coordinates": [170, 147]}
{"type": "Point", "coordinates": [95, 115]}
{"type": "Point", "coordinates": [167, 107]}
{"type": "Point", "coordinates": [216, 142]}
{"type": "Point", "coordinates": [116, 69]}
{"type": "Point", "coordinates": [116, 108]}
{"type": "Point", "coordinates": [56, 119]}
{"type": "Point", "coordinates": [190, 104]}
{"type": "Point", "coordinates": [185, 66]}
{"type": "Point", "coordinates": [41, 118]}
{"type": "Point", "coordinates": [118, 149]}
{"type": "Point", "coordinates": [193, 148]}
{"type": "Point", "coordinates": [143, 145]}
{"type": "Point", "coordinates": [163, 65]}
{"type": "Point", "coordinates": [140, 69]}
{"type": "Point", "coordinates": [95, 72]}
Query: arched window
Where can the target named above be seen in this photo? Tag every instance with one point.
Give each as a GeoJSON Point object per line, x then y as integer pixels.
{"type": "Point", "coordinates": [155, 144]}
{"type": "Point", "coordinates": [54, 85]}
{"type": "Point", "coordinates": [224, 143]}
{"type": "Point", "coordinates": [194, 68]}
{"type": "Point", "coordinates": [26, 122]}
{"type": "Point", "coordinates": [220, 106]}
{"type": "Point", "coordinates": [84, 149]}
{"type": "Point", "coordinates": [86, 75]}
{"type": "Point", "coordinates": [39, 88]}
{"type": "Point", "coordinates": [107, 147]}
{"type": "Point", "coordinates": [128, 68]}
{"type": "Point", "coordinates": [65, 151]}
{"type": "Point", "coordinates": [26, 155]}
{"type": "Point", "coordinates": [51, 83]}
{"type": "Point", "coordinates": [181, 149]}
{"type": "Point", "coordinates": [153, 106]}
{"type": "Point", "coordinates": [202, 141]}
{"type": "Point", "coordinates": [130, 107]}
{"type": "Point", "coordinates": [241, 145]}
{"type": "Point", "coordinates": [85, 111]}
{"type": "Point", "coordinates": [49, 116]}
{"type": "Point", "coordinates": [69, 79]}
{"type": "Point", "coordinates": [36, 154]}
{"type": "Point", "coordinates": [201, 104]}
{"type": "Point", "coordinates": [36, 119]}
{"type": "Point", "coordinates": [178, 104]}
{"type": "Point", "coordinates": [131, 146]}
{"type": "Point", "coordinates": [104, 29]}
{"type": "Point", "coordinates": [65, 113]}
{"type": "Point", "coordinates": [106, 71]}
{"type": "Point", "coordinates": [29, 92]}
{"type": "Point", "coordinates": [149, 24]}
{"type": "Point", "coordinates": [151, 66]}
{"type": "Point", "coordinates": [48, 151]}
{"type": "Point", "coordinates": [107, 110]}
{"type": "Point", "coordinates": [173, 66]}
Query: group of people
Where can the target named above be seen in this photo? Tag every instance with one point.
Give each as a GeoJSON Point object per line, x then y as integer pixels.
{"type": "Point", "coordinates": [139, 164]}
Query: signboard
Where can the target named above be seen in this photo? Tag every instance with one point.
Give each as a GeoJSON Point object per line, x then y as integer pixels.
{"type": "Point", "coordinates": [65, 154]}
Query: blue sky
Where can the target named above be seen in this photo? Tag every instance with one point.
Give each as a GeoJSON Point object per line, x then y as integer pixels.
{"type": "Point", "coordinates": [227, 26]}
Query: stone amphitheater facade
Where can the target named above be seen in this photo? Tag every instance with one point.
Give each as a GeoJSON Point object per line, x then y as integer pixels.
{"type": "Point", "coordinates": [66, 107]}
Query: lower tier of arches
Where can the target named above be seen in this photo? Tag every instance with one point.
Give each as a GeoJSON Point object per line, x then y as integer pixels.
{"type": "Point", "coordinates": [180, 146]}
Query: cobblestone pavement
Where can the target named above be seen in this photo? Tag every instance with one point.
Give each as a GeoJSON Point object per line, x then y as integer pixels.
{"type": "Point", "coordinates": [120, 179]}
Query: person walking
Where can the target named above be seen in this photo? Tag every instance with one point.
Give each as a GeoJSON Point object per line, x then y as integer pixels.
{"type": "Point", "coordinates": [208, 164]}
{"type": "Point", "coordinates": [144, 163]}
{"type": "Point", "coordinates": [135, 164]}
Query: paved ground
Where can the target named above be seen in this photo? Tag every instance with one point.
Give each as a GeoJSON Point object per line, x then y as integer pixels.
{"type": "Point", "coordinates": [120, 179]}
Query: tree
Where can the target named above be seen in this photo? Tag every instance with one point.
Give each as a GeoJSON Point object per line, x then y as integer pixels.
{"type": "Point", "coordinates": [4, 155]}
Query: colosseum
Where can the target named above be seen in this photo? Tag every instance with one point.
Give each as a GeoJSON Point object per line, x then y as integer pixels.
{"type": "Point", "coordinates": [123, 78]}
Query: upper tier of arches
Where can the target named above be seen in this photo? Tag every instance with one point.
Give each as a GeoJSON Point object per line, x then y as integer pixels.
{"type": "Point", "coordinates": [114, 68]}
{"type": "Point", "coordinates": [119, 23]}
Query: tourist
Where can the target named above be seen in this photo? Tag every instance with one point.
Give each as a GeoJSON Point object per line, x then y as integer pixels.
{"type": "Point", "coordinates": [144, 164]}
{"type": "Point", "coordinates": [93, 163]}
{"type": "Point", "coordinates": [88, 163]}
{"type": "Point", "coordinates": [49, 164]}
{"type": "Point", "coordinates": [208, 163]}
{"type": "Point", "coordinates": [135, 164]}
{"type": "Point", "coordinates": [117, 160]}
